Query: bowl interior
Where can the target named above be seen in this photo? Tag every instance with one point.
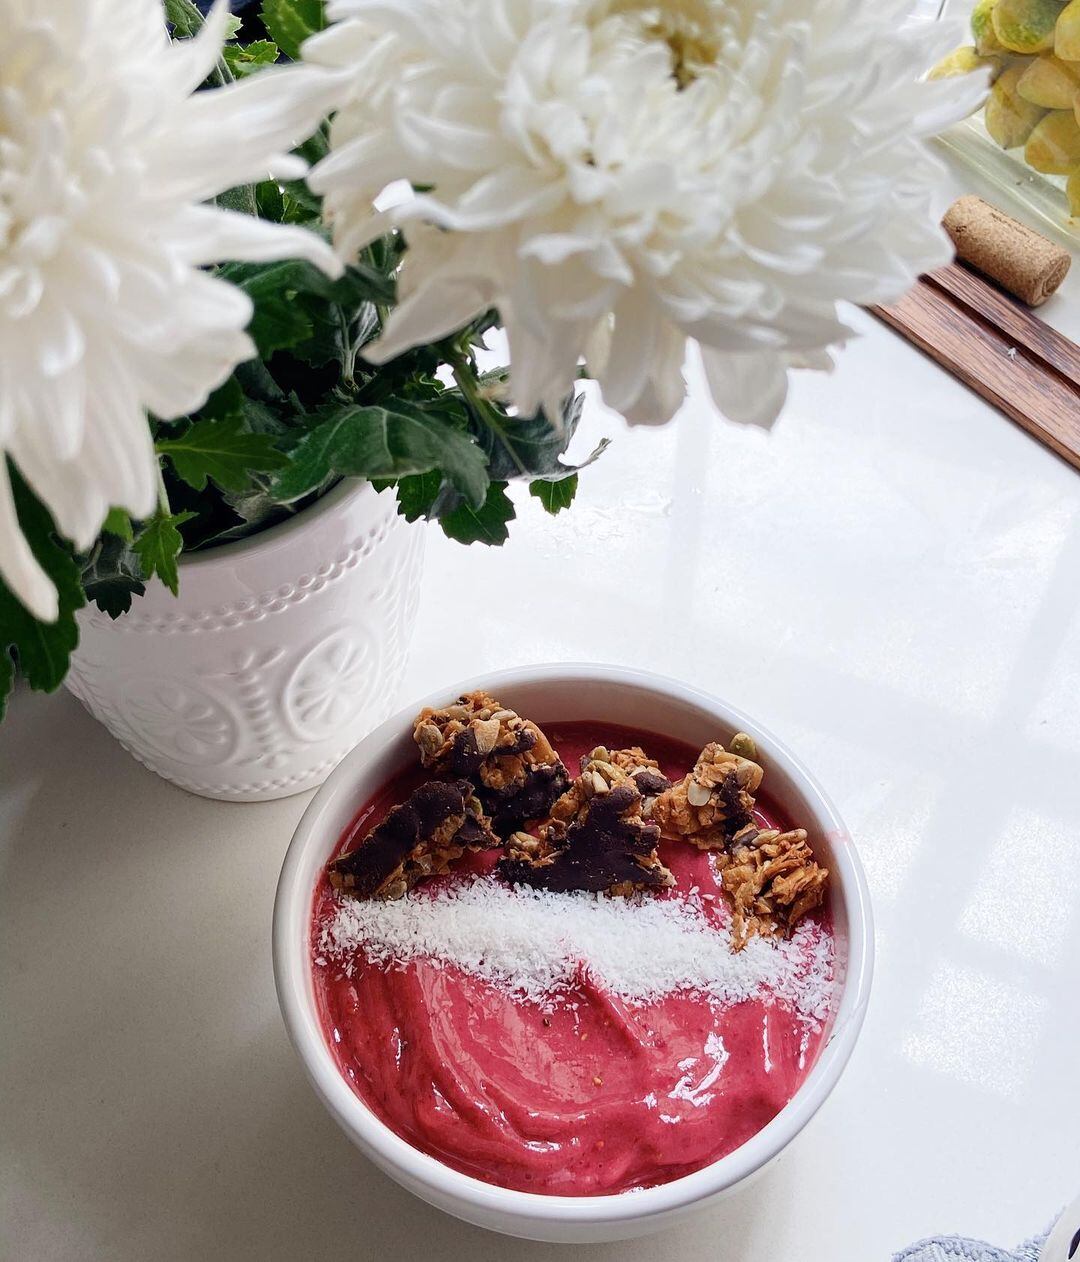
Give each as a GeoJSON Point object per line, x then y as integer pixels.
{"type": "Point", "coordinates": [548, 694]}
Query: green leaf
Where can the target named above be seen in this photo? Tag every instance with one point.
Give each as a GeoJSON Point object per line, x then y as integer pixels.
{"type": "Point", "coordinates": [7, 681]}
{"type": "Point", "coordinates": [241, 199]}
{"type": "Point", "coordinates": [260, 418]}
{"type": "Point", "coordinates": [364, 283]}
{"type": "Point", "coordinates": [279, 321]}
{"type": "Point", "coordinates": [270, 201]}
{"type": "Point", "coordinates": [416, 494]}
{"type": "Point", "coordinates": [290, 22]}
{"type": "Point", "coordinates": [111, 575]}
{"type": "Point", "coordinates": [43, 648]}
{"type": "Point", "coordinates": [278, 324]}
{"type": "Point", "coordinates": [532, 446]}
{"type": "Point", "coordinates": [325, 344]}
{"type": "Point", "coordinates": [281, 281]}
{"type": "Point", "coordinates": [158, 546]}
{"type": "Point", "coordinates": [213, 514]}
{"type": "Point", "coordinates": [118, 523]}
{"type": "Point", "coordinates": [113, 595]}
{"type": "Point", "coordinates": [225, 403]}
{"type": "Point", "coordinates": [222, 450]}
{"type": "Point", "coordinates": [256, 508]}
{"type": "Point", "coordinates": [184, 21]}
{"type": "Point", "coordinates": [293, 201]}
{"type": "Point", "coordinates": [524, 447]}
{"type": "Point", "coordinates": [555, 495]}
{"type": "Point", "coordinates": [257, 382]}
{"type": "Point", "coordinates": [392, 440]}
{"type": "Point", "coordinates": [183, 17]}
{"type": "Point", "coordinates": [296, 305]}
{"type": "Point", "coordinates": [299, 204]}
{"type": "Point", "coordinates": [247, 59]}
{"type": "Point", "coordinates": [486, 524]}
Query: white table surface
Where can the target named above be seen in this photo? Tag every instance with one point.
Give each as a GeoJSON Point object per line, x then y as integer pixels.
{"type": "Point", "coordinates": [889, 581]}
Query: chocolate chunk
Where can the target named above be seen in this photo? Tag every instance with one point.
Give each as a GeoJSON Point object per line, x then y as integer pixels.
{"type": "Point", "coordinates": [607, 847]}
{"type": "Point", "coordinates": [511, 809]}
{"type": "Point", "coordinates": [737, 805]}
{"type": "Point", "coordinates": [475, 834]}
{"type": "Point", "coordinates": [435, 825]}
{"type": "Point", "coordinates": [651, 783]}
{"type": "Point", "coordinates": [466, 756]}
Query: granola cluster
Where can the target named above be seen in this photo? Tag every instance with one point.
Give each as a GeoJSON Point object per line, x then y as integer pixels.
{"type": "Point", "coordinates": [602, 845]}
{"type": "Point", "coordinates": [773, 880]}
{"type": "Point", "coordinates": [516, 773]}
{"type": "Point", "coordinates": [643, 770]}
{"type": "Point", "coordinates": [495, 775]}
{"type": "Point", "coordinates": [422, 837]}
{"type": "Point", "coordinates": [713, 802]}
{"type": "Point", "coordinates": [603, 769]}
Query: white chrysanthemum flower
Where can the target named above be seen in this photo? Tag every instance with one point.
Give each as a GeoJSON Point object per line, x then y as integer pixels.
{"type": "Point", "coordinates": [106, 154]}
{"type": "Point", "coordinates": [619, 176]}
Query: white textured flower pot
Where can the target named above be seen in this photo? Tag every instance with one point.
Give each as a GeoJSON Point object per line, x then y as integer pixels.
{"type": "Point", "coordinates": [281, 652]}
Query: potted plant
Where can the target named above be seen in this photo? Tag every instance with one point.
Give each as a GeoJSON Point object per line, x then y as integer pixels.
{"type": "Point", "coordinates": [232, 371]}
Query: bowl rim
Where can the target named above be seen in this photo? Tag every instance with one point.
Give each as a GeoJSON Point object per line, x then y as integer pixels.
{"type": "Point", "coordinates": [448, 1186]}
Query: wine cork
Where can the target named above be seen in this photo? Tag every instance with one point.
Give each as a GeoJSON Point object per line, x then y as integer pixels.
{"type": "Point", "coordinates": [1020, 259]}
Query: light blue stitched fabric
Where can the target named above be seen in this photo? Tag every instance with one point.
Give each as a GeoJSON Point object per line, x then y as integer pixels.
{"type": "Point", "coordinates": [957, 1249]}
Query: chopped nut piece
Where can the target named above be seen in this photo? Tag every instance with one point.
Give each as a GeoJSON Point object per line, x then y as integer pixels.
{"type": "Point", "coordinates": [708, 806]}
{"type": "Point", "coordinates": [697, 794]}
{"type": "Point", "coordinates": [605, 846]}
{"type": "Point", "coordinates": [773, 879]}
{"type": "Point", "coordinates": [510, 761]}
{"type": "Point", "coordinates": [434, 826]}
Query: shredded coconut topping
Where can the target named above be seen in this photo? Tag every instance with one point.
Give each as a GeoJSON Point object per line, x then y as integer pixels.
{"type": "Point", "coordinates": [534, 944]}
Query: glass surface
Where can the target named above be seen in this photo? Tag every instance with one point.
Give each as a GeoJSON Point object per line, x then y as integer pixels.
{"type": "Point", "coordinates": [1004, 169]}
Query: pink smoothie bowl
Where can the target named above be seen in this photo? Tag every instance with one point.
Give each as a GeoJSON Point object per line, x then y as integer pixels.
{"type": "Point", "coordinates": [548, 694]}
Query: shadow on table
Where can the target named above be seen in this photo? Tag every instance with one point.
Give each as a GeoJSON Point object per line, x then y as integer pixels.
{"type": "Point", "coordinates": [153, 1106]}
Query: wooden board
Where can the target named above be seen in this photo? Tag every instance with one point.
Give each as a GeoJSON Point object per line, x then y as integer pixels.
{"type": "Point", "coordinates": [999, 349]}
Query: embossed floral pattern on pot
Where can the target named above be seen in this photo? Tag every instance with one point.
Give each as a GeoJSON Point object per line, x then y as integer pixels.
{"type": "Point", "coordinates": [327, 686]}
{"type": "Point", "coordinates": [178, 720]}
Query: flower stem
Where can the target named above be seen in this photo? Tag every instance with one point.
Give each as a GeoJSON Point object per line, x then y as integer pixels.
{"type": "Point", "coordinates": [348, 350]}
{"type": "Point", "coordinates": [483, 409]}
{"type": "Point", "coordinates": [164, 507]}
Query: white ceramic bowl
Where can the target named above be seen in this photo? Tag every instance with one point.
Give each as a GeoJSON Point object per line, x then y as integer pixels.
{"type": "Point", "coordinates": [549, 693]}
